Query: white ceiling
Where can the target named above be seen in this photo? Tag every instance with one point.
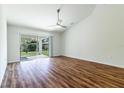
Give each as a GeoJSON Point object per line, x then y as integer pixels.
{"type": "Point", "coordinates": [43, 15]}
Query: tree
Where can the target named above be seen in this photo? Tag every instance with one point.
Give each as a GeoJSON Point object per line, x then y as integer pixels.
{"type": "Point", "coordinates": [25, 47]}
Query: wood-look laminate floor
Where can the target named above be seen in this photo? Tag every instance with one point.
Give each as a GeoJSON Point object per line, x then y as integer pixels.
{"type": "Point", "coordinates": [62, 72]}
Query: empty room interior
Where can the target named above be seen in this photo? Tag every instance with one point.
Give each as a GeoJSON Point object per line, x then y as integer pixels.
{"type": "Point", "coordinates": [61, 46]}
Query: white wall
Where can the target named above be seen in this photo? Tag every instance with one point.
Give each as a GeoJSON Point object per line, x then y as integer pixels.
{"type": "Point", "coordinates": [3, 44]}
{"type": "Point", "coordinates": [14, 40]}
{"type": "Point", "coordinates": [56, 43]}
{"type": "Point", "coordinates": [99, 38]}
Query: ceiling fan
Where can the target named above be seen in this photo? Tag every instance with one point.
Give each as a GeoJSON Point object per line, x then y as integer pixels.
{"type": "Point", "coordinates": [59, 21]}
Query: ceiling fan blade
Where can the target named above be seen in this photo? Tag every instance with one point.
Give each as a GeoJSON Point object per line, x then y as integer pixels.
{"type": "Point", "coordinates": [62, 26]}
{"type": "Point", "coordinates": [51, 25]}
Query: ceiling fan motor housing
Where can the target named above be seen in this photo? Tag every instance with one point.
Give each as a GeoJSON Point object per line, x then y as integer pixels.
{"type": "Point", "coordinates": [58, 10]}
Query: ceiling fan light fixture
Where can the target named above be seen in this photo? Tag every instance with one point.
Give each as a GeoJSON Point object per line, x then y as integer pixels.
{"type": "Point", "coordinates": [56, 27]}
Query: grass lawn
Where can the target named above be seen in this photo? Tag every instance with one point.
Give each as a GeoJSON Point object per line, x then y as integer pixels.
{"type": "Point", "coordinates": [28, 54]}
{"type": "Point", "coordinates": [33, 53]}
{"type": "Point", "coordinates": [45, 52]}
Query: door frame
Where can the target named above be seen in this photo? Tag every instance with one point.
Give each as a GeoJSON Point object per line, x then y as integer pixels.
{"type": "Point", "coordinates": [50, 44]}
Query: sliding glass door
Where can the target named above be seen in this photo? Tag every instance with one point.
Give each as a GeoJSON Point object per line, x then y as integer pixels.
{"type": "Point", "coordinates": [33, 46]}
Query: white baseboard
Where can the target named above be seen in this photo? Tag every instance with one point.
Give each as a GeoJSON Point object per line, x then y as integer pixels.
{"type": "Point", "coordinates": [14, 61]}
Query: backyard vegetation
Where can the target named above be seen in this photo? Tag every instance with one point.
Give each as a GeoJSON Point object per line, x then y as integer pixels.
{"type": "Point", "coordinates": [33, 53]}
{"type": "Point", "coordinates": [45, 52]}
{"type": "Point", "coordinates": [28, 54]}
{"type": "Point", "coordinates": [30, 47]}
